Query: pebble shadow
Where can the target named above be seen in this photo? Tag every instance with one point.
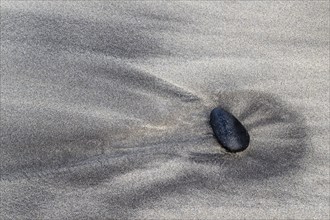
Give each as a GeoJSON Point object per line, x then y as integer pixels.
{"type": "Point", "coordinates": [278, 134]}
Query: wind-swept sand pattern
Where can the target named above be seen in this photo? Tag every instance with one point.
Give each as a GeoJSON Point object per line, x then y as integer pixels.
{"type": "Point", "coordinates": [105, 110]}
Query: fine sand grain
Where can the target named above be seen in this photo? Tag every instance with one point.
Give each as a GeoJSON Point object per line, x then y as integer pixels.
{"type": "Point", "coordinates": [105, 110]}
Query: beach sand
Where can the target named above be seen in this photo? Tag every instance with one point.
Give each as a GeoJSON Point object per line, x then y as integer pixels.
{"type": "Point", "coordinates": [105, 110]}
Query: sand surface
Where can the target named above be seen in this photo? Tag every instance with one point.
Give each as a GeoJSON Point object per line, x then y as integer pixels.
{"type": "Point", "coordinates": [105, 110]}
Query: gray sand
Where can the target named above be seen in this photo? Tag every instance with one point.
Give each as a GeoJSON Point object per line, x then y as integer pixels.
{"type": "Point", "coordinates": [105, 110]}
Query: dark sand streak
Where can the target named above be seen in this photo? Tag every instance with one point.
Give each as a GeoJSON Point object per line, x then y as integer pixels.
{"type": "Point", "coordinates": [105, 110]}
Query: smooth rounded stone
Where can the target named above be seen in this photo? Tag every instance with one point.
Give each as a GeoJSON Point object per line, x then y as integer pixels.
{"type": "Point", "coordinates": [229, 131]}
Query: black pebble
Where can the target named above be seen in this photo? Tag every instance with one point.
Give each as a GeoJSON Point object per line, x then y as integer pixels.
{"type": "Point", "coordinates": [229, 131]}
